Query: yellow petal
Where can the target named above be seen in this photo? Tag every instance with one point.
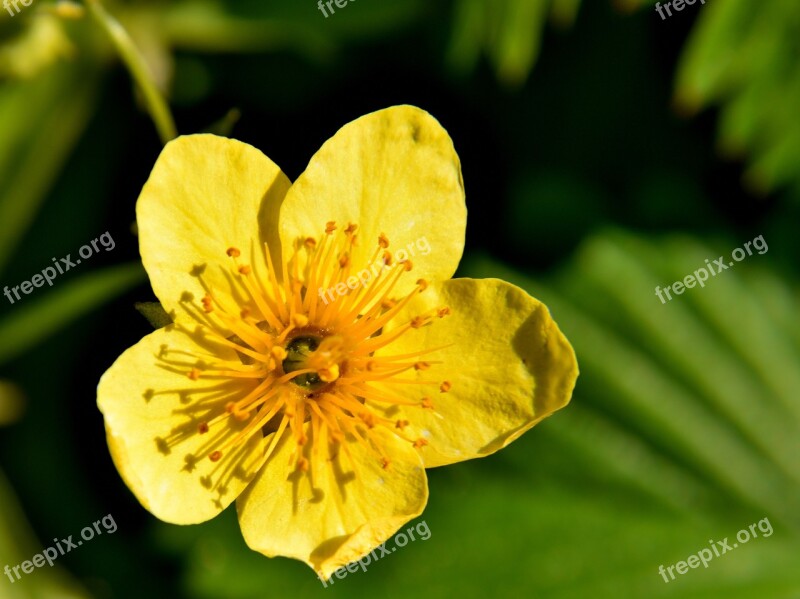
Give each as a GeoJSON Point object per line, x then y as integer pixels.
{"type": "Point", "coordinates": [396, 172]}
{"type": "Point", "coordinates": [344, 516]}
{"type": "Point", "coordinates": [507, 363]}
{"type": "Point", "coordinates": [152, 412]}
{"type": "Point", "coordinates": [207, 194]}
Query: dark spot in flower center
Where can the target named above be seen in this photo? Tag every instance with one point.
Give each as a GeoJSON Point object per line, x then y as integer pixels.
{"type": "Point", "coordinates": [297, 352]}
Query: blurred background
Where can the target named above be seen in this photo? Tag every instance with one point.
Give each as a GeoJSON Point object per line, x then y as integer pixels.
{"type": "Point", "coordinates": [605, 150]}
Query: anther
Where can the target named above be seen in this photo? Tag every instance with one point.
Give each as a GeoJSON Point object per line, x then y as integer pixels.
{"type": "Point", "coordinates": [233, 252]}
{"type": "Point", "coordinates": [368, 418]}
{"type": "Point", "coordinates": [215, 456]}
{"type": "Point", "coordinates": [442, 312]}
{"type": "Point", "coordinates": [383, 241]}
{"type": "Point", "coordinates": [408, 265]}
{"type": "Point", "coordinates": [244, 269]}
{"type": "Point", "coordinates": [426, 403]}
{"type": "Point", "coordinates": [418, 322]}
{"type": "Point", "coordinates": [299, 320]}
{"type": "Point", "coordinates": [202, 428]}
{"type": "Point", "coordinates": [194, 374]}
{"type": "Point", "coordinates": [423, 285]}
{"type": "Point", "coordinates": [445, 387]}
{"type": "Point", "coordinates": [310, 243]}
{"type": "Point", "coordinates": [344, 260]}
{"type": "Point", "coordinates": [351, 228]}
{"type": "Point", "coordinates": [206, 301]}
{"type": "Point", "coordinates": [420, 443]}
{"type": "Point", "coordinates": [330, 226]}
{"type": "Point", "coordinates": [421, 366]}
{"type": "Point", "coordinates": [401, 424]}
{"type": "Point", "coordinates": [385, 463]}
{"type": "Point", "coordinates": [330, 374]}
{"type": "Point", "coordinates": [244, 313]}
{"type": "Point", "coordinates": [278, 353]}
{"type": "Point", "coordinates": [302, 465]}
{"type": "Point", "coordinates": [388, 304]}
{"type": "Point", "coordinates": [387, 258]}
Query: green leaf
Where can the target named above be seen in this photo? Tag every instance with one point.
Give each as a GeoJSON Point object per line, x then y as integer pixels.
{"type": "Point", "coordinates": [154, 313]}
{"type": "Point", "coordinates": [32, 322]}
{"type": "Point", "coordinates": [40, 123]}
{"type": "Point", "coordinates": [741, 57]}
{"type": "Point", "coordinates": [17, 544]}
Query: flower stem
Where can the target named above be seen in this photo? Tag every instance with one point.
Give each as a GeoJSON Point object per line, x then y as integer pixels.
{"type": "Point", "coordinates": [154, 101]}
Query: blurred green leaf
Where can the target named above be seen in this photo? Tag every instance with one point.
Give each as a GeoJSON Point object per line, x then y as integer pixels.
{"type": "Point", "coordinates": [32, 322]}
{"type": "Point", "coordinates": [509, 32]}
{"type": "Point", "coordinates": [17, 544]}
{"type": "Point", "coordinates": [40, 122]}
{"type": "Point", "coordinates": [743, 57]}
{"type": "Point", "coordinates": [12, 403]}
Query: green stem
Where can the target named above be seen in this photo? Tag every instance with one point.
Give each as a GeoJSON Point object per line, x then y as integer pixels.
{"type": "Point", "coordinates": [155, 102]}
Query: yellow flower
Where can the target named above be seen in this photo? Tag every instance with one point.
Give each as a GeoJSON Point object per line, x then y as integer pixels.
{"type": "Point", "coordinates": [320, 357]}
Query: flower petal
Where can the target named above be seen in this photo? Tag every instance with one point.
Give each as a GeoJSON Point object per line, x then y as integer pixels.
{"type": "Point", "coordinates": [352, 507]}
{"type": "Point", "coordinates": [508, 364]}
{"type": "Point", "coordinates": [152, 413]}
{"type": "Point", "coordinates": [205, 195]}
{"type": "Point", "coordinates": [394, 171]}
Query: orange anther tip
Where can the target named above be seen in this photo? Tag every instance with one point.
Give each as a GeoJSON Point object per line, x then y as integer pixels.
{"type": "Point", "coordinates": [245, 270]}
{"type": "Point", "coordinates": [202, 428]}
{"type": "Point", "coordinates": [408, 265]}
{"type": "Point", "coordinates": [351, 228]}
{"type": "Point", "coordinates": [194, 374]}
{"type": "Point", "coordinates": [442, 312]}
{"type": "Point", "coordinates": [215, 456]}
{"type": "Point", "coordinates": [427, 403]}
{"type": "Point", "coordinates": [244, 313]}
{"type": "Point", "coordinates": [310, 242]}
{"type": "Point", "coordinates": [418, 321]}
{"type": "Point", "coordinates": [387, 258]}
{"type": "Point", "coordinates": [401, 424]}
{"type": "Point", "coordinates": [302, 465]}
{"type": "Point", "coordinates": [420, 443]}
{"type": "Point", "coordinates": [330, 226]}
{"type": "Point", "coordinates": [385, 463]}
{"type": "Point", "coordinates": [383, 241]}
{"type": "Point", "coordinates": [421, 366]}
{"type": "Point", "coordinates": [445, 387]}
{"type": "Point", "coordinates": [344, 260]}
{"type": "Point", "coordinates": [233, 252]}
{"type": "Point", "coordinates": [423, 284]}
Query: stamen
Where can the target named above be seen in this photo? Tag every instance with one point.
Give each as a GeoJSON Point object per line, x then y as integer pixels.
{"type": "Point", "coordinates": [307, 359]}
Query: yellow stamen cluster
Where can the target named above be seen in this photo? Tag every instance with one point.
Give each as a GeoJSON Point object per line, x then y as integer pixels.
{"type": "Point", "coordinates": [308, 364]}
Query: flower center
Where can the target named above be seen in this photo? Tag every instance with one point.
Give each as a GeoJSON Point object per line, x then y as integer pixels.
{"type": "Point", "coordinates": [308, 364]}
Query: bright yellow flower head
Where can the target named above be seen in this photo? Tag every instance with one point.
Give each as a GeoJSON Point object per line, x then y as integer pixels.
{"type": "Point", "coordinates": [320, 357]}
